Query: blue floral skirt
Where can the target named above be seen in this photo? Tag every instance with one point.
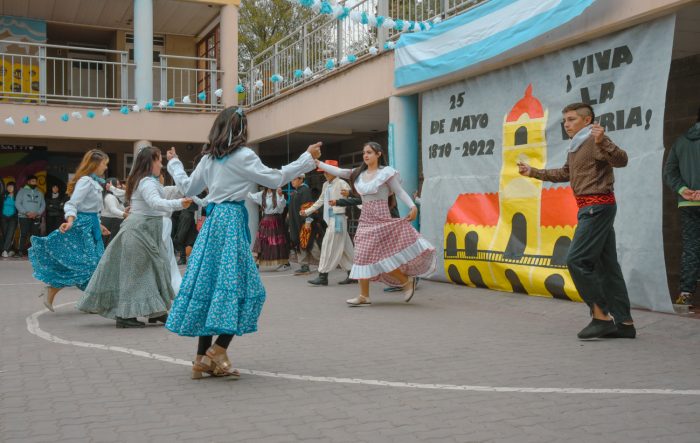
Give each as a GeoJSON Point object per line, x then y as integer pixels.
{"type": "Point", "coordinates": [63, 260]}
{"type": "Point", "coordinates": [221, 292]}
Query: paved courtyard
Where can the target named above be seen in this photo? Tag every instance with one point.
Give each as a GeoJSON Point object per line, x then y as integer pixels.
{"type": "Point", "coordinates": [456, 364]}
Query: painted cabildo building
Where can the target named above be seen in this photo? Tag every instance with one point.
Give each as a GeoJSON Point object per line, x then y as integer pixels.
{"type": "Point", "coordinates": [517, 239]}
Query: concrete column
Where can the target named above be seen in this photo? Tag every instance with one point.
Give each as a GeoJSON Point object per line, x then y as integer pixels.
{"type": "Point", "coordinates": [143, 51]}
{"type": "Point", "coordinates": [402, 143]}
{"type": "Point", "coordinates": [229, 53]}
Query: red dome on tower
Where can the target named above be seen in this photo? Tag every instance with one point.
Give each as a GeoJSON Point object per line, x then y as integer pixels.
{"type": "Point", "coordinates": [527, 105]}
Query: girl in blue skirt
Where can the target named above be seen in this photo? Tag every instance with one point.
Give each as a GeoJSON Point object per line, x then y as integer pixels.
{"type": "Point", "coordinates": [221, 292]}
{"type": "Point", "coordinates": [69, 255]}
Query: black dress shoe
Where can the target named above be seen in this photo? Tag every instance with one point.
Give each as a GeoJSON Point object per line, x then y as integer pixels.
{"type": "Point", "coordinates": [163, 319]}
{"type": "Point", "coordinates": [597, 328]}
{"type": "Point", "coordinates": [347, 281]}
{"type": "Point", "coordinates": [303, 270]}
{"type": "Point", "coordinates": [124, 323]}
{"type": "Point", "coordinates": [623, 331]}
{"type": "Point", "coordinates": [321, 280]}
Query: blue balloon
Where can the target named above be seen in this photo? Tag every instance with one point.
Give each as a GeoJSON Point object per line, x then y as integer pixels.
{"type": "Point", "coordinates": [90, 114]}
{"type": "Point", "coordinates": [25, 119]}
{"type": "Point", "coordinates": [171, 102]}
{"type": "Point", "coordinates": [148, 106]}
{"type": "Point", "coordinates": [124, 110]}
{"type": "Point", "coordinates": [202, 96]}
{"type": "Point", "coordinates": [65, 117]}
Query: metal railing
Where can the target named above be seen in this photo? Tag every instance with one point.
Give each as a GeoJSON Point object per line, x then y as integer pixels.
{"type": "Point", "coordinates": [324, 37]}
{"type": "Point", "coordinates": [69, 75]}
{"type": "Point", "coordinates": [178, 80]}
{"type": "Point", "coordinates": [41, 73]}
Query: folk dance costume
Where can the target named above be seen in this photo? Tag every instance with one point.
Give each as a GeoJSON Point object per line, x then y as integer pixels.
{"type": "Point", "coordinates": [310, 252]}
{"type": "Point", "coordinates": [69, 259]}
{"type": "Point", "coordinates": [221, 293]}
{"type": "Point", "coordinates": [270, 244]}
{"type": "Point", "coordinates": [382, 243]}
{"type": "Point", "coordinates": [133, 278]}
{"type": "Point", "coordinates": [336, 249]}
{"type": "Point", "coordinates": [592, 257]}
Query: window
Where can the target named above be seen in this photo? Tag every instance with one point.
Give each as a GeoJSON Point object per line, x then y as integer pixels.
{"type": "Point", "coordinates": [208, 47]}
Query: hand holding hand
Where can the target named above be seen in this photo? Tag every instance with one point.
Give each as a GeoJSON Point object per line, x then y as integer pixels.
{"type": "Point", "coordinates": [412, 214]}
{"type": "Point", "coordinates": [104, 230]}
{"type": "Point", "coordinates": [315, 150]}
{"type": "Point", "coordinates": [171, 154]}
{"type": "Point", "coordinates": [186, 202]}
{"type": "Point", "coordinates": [332, 202]}
{"type": "Point", "coordinates": [345, 193]}
{"type": "Point", "coordinates": [524, 169]}
{"type": "Point", "coordinates": [597, 132]}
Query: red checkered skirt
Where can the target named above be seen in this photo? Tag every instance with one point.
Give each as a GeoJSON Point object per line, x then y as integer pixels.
{"type": "Point", "coordinates": [270, 244]}
{"type": "Point", "coordinates": [383, 244]}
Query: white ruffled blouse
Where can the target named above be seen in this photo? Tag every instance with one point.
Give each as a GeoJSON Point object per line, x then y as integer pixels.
{"type": "Point", "coordinates": [385, 181]}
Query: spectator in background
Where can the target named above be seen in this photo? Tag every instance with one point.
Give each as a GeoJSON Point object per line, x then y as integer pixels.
{"type": "Point", "coordinates": [682, 175]}
{"type": "Point", "coordinates": [114, 211]}
{"type": "Point", "coordinates": [55, 199]}
{"type": "Point", "coordinates": [30, 206]}
{"type": "Point", "coordinates": [8, 220]}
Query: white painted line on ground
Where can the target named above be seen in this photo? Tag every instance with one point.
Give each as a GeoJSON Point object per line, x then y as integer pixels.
{"type": "Point", "coordinates": [34, 328]}
{"type": "Point", "coordinates": [20, 284]}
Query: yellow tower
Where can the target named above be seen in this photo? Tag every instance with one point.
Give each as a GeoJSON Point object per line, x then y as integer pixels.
{"type": "Point", "coordinates": [518, 228]}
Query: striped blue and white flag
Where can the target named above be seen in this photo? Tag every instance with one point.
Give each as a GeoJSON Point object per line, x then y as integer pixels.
{"type": "Point", "coordinates": [479, 34]}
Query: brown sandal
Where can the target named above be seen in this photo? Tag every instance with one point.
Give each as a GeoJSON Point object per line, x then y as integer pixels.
{"type": "Point", "coordinates": [222, 365]}
{"type": "Point", "coordinates": [204, 365]}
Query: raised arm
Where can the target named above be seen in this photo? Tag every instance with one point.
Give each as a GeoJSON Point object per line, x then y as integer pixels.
{"type": "Point", "coordinates": [610, 152]}
{"type": "Point", "coordinates": [148, 188]}
{"type": "Point", "coordinates": [193, 184]}
{"type": "Point", "coordinates": [338, 172]}
{"type": "Point", "coordinates": [257, 197]}
{"type": "Point", "coordinates": [557, 175]}
{"type": "Point", "coordinates": [254, 170]}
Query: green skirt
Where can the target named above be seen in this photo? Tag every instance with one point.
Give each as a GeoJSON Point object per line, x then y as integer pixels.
{"type": "Point", "coordinates": [133, 276]}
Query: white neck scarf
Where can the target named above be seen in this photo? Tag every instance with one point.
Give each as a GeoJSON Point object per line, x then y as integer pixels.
{"type": "Point", "coordinates": [580, 137]}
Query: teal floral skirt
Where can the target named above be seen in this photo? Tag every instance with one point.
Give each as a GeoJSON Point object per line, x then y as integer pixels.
{"type": "Point", "coordinates": [221, 292]}
{"type": "Point", "coordinates": [64, 260]}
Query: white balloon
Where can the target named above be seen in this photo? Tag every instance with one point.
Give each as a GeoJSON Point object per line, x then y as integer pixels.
{"type": "Point", "coordinates": [10, 121]}
{"type": "Point", "coordinates": [259, 84]}
{"type": "Point", "coordinates": [356, 16]}
{"type": "Point", "coordinates": [219, 92]}
{"type": "Point", "coordinates": [372, 20]}
{"type": "Point", "coordinates": [136, 108]}
{"type": "Point", "coordinates": [388, 23]}
{"type": "Point", "coordinates": [105, 112]}
{"type": "Point", "coordinates": [162, 104]}
{"type": "Point", "coordinates": [373, 50]}
{"type": "Point", "coordinates": [344, 61]}
{"type": "Point", "coordinates": [41, 119]}
{"type": "Point", "coordinates": [76, 115]}
{"type": "Point", "coordinates": [186, 99]}
{"type": "Point", "coordinates": [308, 72]}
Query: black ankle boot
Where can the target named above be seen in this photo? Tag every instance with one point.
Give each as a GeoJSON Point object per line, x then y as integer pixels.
{"type": "Point", "coordinates": [123, 323]}
{"type": "Point", "coordinates": [348, 280]}
{"type": "Point", "coordinates": [321, 280]}
{"type": "Point", "coordinates": [163, 319]}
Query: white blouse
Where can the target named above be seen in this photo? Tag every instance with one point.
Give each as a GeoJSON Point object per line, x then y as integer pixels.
{"type": "Point", "coordinates": [86, 197]}
{"type": "Point", "coordinates": [385, 181]}
{"type": "Point", "coordinates": [112, 207]}
{"type": "Point", "coordinates": [149, 198]}
{"type": "Point", "coordinates": [269, 209]}
{"type": "Point", "coordinates": [229, 178]}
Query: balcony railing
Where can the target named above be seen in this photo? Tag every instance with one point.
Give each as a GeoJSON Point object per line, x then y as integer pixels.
{"type": "Point", "coordinates": [324, 37]}
{"type": "Point", "coordinates": [69, 75]}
